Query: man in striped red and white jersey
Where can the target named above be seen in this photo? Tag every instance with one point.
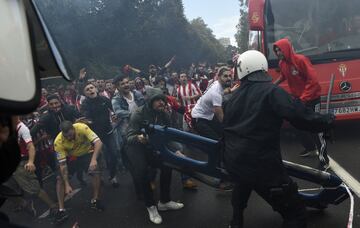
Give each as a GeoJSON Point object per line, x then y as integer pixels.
{"type": "Point", "coordinates": [187, 92]}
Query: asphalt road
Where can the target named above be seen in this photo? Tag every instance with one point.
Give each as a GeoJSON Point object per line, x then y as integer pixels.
{"type": "Point", "coordinates": [206, 207]}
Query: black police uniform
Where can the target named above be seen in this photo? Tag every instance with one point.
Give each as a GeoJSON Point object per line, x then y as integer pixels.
{"type": "Point", "coordinates": [252, 120]}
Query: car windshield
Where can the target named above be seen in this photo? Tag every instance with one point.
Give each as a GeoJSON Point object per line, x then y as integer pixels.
{"type": "Point", "coordinates": [315, 27]}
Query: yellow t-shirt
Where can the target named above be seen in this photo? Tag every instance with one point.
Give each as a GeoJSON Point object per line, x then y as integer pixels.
{"type": "Point", "coordinates": [81, 145]}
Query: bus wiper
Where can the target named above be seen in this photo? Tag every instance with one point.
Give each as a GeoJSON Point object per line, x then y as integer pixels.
{"type": "Point", "coordinates": [342, 50]}
{"type": "Point", "coordinates": [306, 49]}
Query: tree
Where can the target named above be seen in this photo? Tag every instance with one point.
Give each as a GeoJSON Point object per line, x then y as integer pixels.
{"type": "Point", "coordinates": [242, 34]}
{"type": "Point", "coordinates": [103, 35]}
{"type": "Point", "coordinates": [210, 46]}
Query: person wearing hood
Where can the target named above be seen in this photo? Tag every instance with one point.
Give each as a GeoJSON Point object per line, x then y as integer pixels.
{"type": "Point", "coordinates": [301, 76]}
{"type": "Point", "coordinates": [141, 155]}
{"type": "Point", "coordinates": [98, 110]}
{"type": "Point", "coordinates": [174, 109]}
{"type": "Point", "coordinates": [251, 145]}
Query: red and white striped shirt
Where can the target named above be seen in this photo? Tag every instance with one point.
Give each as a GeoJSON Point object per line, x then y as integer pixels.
{"type": "Point", "coordinates": [185, 91]}
{"type": "Point", "coordinates": [24, 138]}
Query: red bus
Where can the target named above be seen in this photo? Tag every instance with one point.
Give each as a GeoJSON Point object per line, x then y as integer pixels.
{"type": "Point", "coordinates": [327, 32]}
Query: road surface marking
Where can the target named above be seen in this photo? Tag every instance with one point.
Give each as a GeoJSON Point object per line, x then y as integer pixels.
{"type": "Point", "coordinates": [346, 177]}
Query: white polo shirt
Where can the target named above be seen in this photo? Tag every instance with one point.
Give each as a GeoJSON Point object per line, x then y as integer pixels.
{"type": "Point", "coordinates": [211, 98]}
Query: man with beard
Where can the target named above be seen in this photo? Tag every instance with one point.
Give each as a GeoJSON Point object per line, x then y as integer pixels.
{"type": "Point", "coordinates": [50, 123]}
{"type": "Point", "coordinates": [141, 155]}
{"type": "Point", "coordinates": [301, 77]}
{"type": "Point", "coordinates": [124, 103]}
{"type": "Point", "coordinates": [253, 117]}
{"type": "Point", "coordinates": [98, 110]}
{"type": "Point", "coordinates": [208, 113]}
{"type": "Point", "coordinates": [56, 114]}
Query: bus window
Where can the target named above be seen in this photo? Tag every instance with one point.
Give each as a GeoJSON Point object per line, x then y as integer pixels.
{"type": "Point", "coordinates": [314, 27]}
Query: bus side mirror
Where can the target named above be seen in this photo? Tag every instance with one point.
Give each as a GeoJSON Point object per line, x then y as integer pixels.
{"type": "Point", "coordinates": [27, 53]}
{"type": "Point", "coordinates": [20, 86]}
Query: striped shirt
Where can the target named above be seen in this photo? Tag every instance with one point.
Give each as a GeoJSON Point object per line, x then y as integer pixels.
{"type": "Point", "coordinates": [185, 91]}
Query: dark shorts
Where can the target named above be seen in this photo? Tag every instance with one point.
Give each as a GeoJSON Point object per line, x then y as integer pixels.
{"type": "Point", "coordinates": [81, 164]}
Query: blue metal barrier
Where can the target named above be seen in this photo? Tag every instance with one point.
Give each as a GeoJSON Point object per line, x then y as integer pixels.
{"type": "Point", "coordinates": [331, 191]}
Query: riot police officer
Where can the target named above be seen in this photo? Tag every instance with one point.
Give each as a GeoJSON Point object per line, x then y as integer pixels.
{"type": "Point", "coordinates": [252, 120]}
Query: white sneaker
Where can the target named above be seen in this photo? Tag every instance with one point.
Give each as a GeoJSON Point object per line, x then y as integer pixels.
{"type": "Point", "coordinates": [171, 205]}
{"type": "Point", "coordinates": [154, 215]}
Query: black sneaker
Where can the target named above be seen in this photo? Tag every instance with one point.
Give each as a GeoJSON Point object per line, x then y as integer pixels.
{"type": "Point", "coordinates": [60, 217]}
{"type": "Point", "coordinates": [96, 205]}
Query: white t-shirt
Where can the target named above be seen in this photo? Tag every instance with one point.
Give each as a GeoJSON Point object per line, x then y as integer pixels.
{"type": "Point", "coordinates": [131, 102]}
{"type": "Point", "coordinates": [211, 98]}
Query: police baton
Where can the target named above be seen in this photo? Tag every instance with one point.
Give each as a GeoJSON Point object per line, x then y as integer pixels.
{"type": "Point", "coordinates": [323, 156]}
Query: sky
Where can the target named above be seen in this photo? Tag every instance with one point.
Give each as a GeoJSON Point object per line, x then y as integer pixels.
{"type": "Point", "coordinates": [221, 16]}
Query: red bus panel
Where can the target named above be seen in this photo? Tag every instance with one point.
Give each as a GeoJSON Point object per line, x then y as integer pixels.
{"type": "Point", "coordinates": [256, 15]}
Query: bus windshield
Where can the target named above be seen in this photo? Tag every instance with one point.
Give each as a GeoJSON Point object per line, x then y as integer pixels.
{"type": "Point", "coordinates": [315, 27]}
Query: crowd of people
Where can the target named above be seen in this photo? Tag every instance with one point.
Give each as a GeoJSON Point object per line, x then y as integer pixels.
{"type": "Point", "coordinates": [92, 123]}
{"type": "Point", "coordinates": [93, 126]}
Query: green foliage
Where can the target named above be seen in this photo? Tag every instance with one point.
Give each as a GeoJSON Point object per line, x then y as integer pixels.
{"type": "Point", "coordinates": [242, 34]}
{"type": "Point", "coordinates": [209, 46]}
{"type": "Point", "coordinates": [104, 35]}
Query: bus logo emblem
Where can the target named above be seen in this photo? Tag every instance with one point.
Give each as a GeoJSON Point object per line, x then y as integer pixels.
{"type": "Point", "coordinates": [345, 86]}
{"type": "Point", "coordinates": [255, 17]}
{"type": "Point", "coordinates": [342, 69]}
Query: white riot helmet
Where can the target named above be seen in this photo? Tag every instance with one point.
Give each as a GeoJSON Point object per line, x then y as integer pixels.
{"type": "Point", "coordinates": [249, 62]}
